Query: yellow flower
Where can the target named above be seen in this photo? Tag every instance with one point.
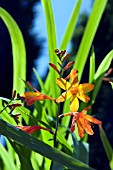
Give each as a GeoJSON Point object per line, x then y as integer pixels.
{"type": "Point", "coordinates": [83, 121]}
{"type": "Point", "coordinates": [74, 90]}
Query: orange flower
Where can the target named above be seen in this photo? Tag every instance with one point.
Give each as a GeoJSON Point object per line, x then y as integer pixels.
{"type": "Point", "coordinates": [74, 90]}
{"type": "Point", "coordinates": [83, 121]}
{"type": "Point", "coordinates": [31, 97]}
{"type": "Point", "coordinates": [32, 129]}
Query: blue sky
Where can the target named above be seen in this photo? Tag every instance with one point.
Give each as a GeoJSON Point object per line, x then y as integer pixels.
{"type": "Point", "coordinates": [62, 11]}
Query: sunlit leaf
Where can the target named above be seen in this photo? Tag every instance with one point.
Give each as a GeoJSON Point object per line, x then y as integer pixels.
{"type": "Point", "coordinates": [90, 31]}
{"type": "Point", "coordinates": [18, 50]}
{"type": "Point", "coordinates": [6, 158]}
{"type": "Point", "coordinates": [71, 26]}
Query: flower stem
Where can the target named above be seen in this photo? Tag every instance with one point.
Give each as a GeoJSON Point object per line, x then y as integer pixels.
{"type": "Point", "coordinates": [57, 121]}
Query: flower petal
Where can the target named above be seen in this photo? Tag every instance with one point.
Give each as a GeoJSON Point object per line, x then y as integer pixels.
{"type": "Point", "coordinates": [73, 125]}
{"type": "Point", "coordinates": [86, 126]}
{"type": "Point", "coordinates": [74, 104]}
{"type": "Point", "coordinates": [83, 97]}
{"type": "Point", "coordinates": [80, 129]}
{"type": "Point", "coordinates": [90, 118]}
{"type": "Point", "coordinates": [63, 84]}
{"type": "Point", "coordinates": [86, 87]}
{"type": "Point", "coordinates": [32, 129]}
{"type": "Point", "coordinates": [31, 97]}
{"type": "Point", "coordinates": [64, 96]}
{"type": "Point", "coordinates": [74, 77]}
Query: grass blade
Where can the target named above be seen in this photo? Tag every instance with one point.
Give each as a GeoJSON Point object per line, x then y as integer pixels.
{"type": "Point", "coordinates": [52, 42]}
{"type": "Point", "coordinates": [8, 162]}
{"type": "Point", "coordinates": [106, 144]}
{"type": "Point", "coordinates": [71, 26]}
{"type": "Point", "coordinates": [89, 34]}
{"type": "Point", "coordinates": [100, 73]}
{"type": "Point", "coordinates": [103, 67]}
{"type": "Point", "coordinates": [18, 50]}
{"type": "Point", "coordinates": [92, 68]}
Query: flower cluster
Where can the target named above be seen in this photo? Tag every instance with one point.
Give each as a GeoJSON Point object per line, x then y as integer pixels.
{"type": "Point", "coordinates": [73, 90]}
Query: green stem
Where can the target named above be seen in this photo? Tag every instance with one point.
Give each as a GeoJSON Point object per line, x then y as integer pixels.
{"type": "Point", "coordinates": [57, 121]}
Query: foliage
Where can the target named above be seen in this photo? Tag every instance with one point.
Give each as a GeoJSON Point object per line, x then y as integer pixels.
{"type": "Point", "coordinates": [53, 144]}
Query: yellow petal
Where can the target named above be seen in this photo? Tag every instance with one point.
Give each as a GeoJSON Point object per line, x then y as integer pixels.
{"type": "Point", "coordinates": [86, 87]}
{"type": "Point", "coordinates": [83, 97]}
{"type": "Point", "coordinates": [64, 96]}
{"type": "Point", "coordinates": [63, 84]}
{"type": "Point", "coordinates": [74, 104]}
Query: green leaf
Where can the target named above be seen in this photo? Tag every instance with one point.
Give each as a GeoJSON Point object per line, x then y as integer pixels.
{"type": "Point", "coordinates": [111, 84]}
{"type": "Point", "coordinates": [106, 144]}
{"type": "Point", "coordinates": [81, 150]}
{"type": "Point", "coordinates": [52, 42]}
{"type": "Point", "coordinates": [111, 162]}
{"type": "Point", "coordinates": [40, 81]}
{"type": "Point", "coordinates": [92, 68]}
{"type": "Point", "coordinates": [24, 155]}
{"type": "Point", "coordinates": [8, 162]}
{"type": "Point", "coordinates": [18, 50]}
{"type": "Point", "coordinates": [90, 31]}
{"type": "Point", "coordinates": [64, 143]}
{"type": "Point", "coordinates": [36, 145]}
{"type": "Point", "coordinates": [103, 67]}
{"type": "Point", "coordinates": [71, 26]}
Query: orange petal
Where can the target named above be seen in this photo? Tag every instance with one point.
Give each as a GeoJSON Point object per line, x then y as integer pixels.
{"type": "Point", "coordinates": [74, 77]}
{"type": "Point", "coordinates": [63, 84]}
{"type": "Point", "coordinates": [83, 97]}
{"type": "Point", "coordinates": [86, 125]}
{"type": "Point", "coordinates": [64, 96]}
{"type": "Point", "coordinates": [90, 118]}
{"type": "Point", "coordinates": [31, 129]}
{"type": "Point", "coordinates": [30, 94]}
{"type": "Point", "coordinates": [85, 110]}
{"type": "Point", "coordinates": [80, 129]}
{"type": "Point", "coordinates": [31, 97]}
{"type": "Point", "coordinates": [86, 87]}
{"type": "Point", "coordinates": [73, 125]}
{"type": "Point", "coordinates": [74, 104]}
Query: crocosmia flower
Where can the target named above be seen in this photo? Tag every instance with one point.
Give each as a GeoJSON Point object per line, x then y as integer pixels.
{"type": "Point", "coordinates": [32, 129]}
{"type": "Point", "coordinates": [32, 96]}
{"type": "Point", "coordinates": [83, 121]}
{"type": "Point", "coordinates": [73, 90]}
